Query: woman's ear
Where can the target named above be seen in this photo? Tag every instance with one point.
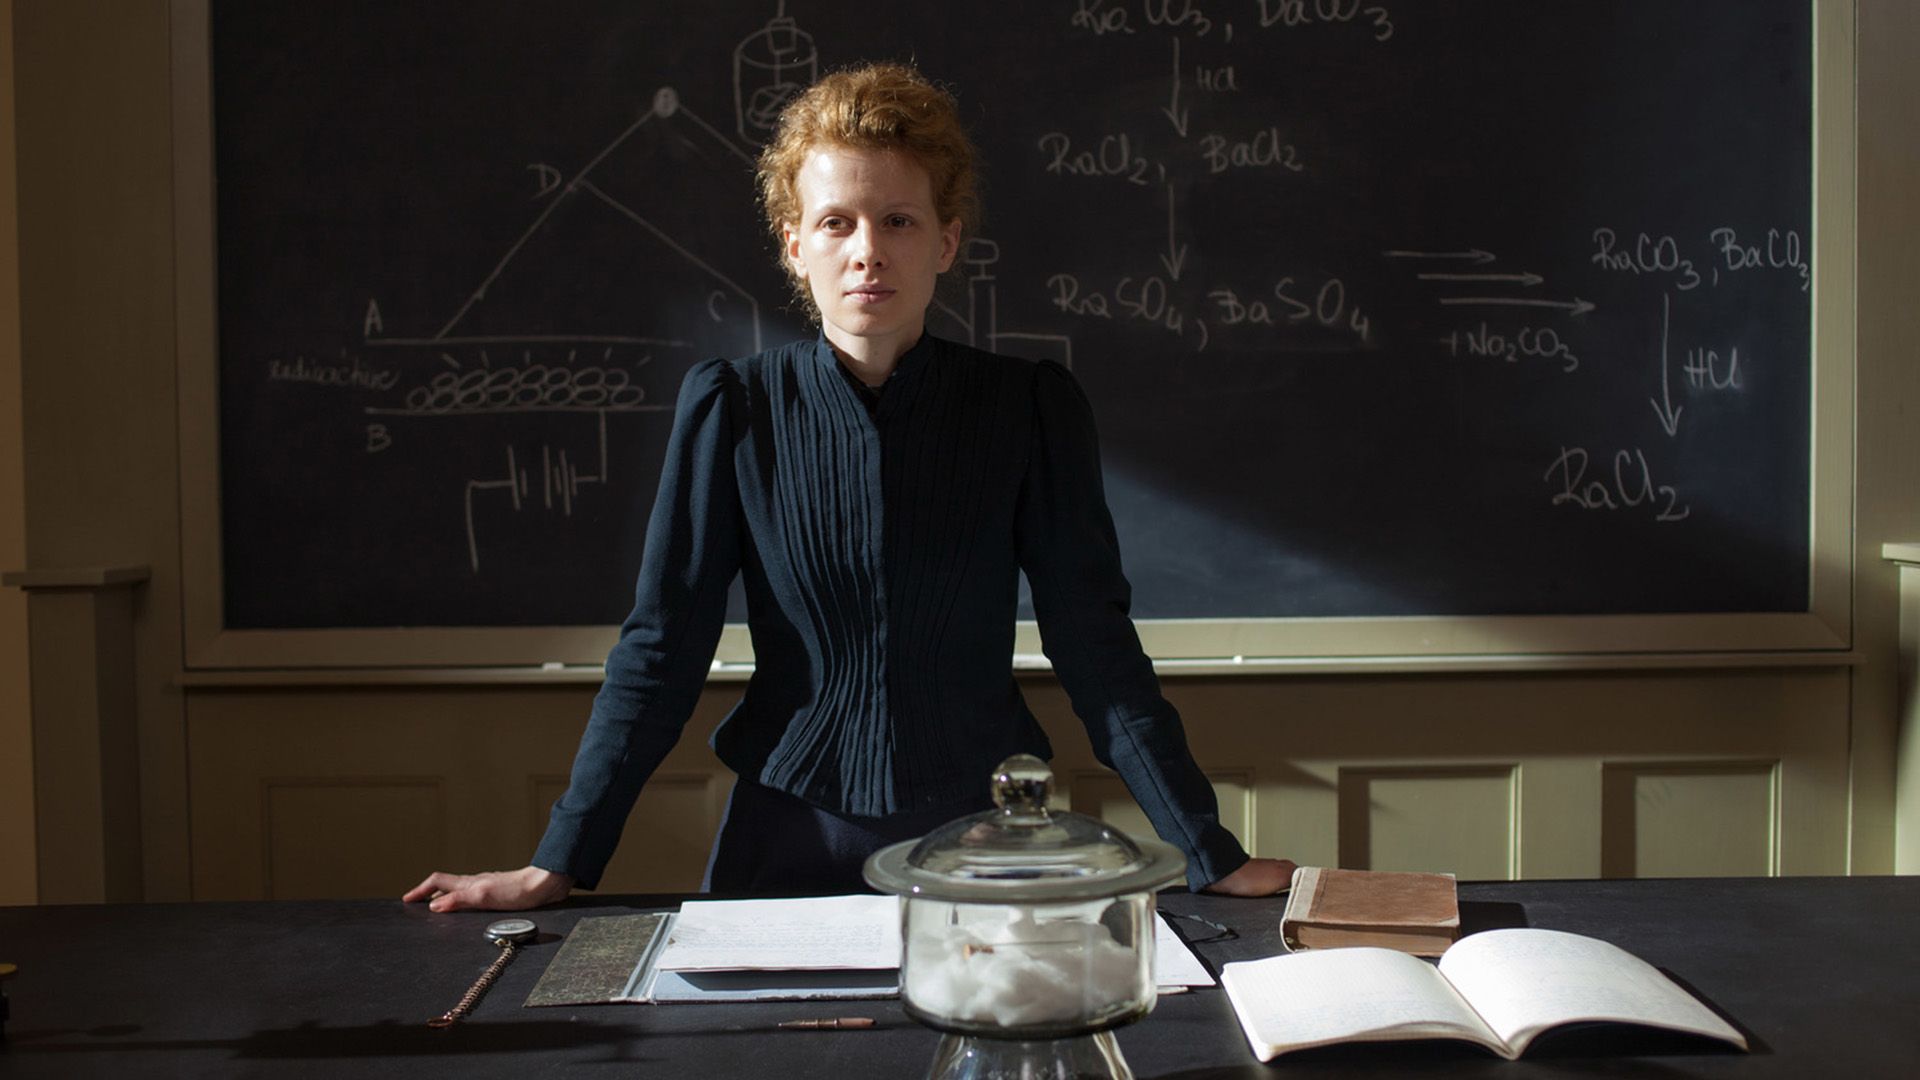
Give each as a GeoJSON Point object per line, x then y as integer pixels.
{"type": "Point", "coordinates": [949, 244]}
{"type": "Point", "coordinates": [790, 247]}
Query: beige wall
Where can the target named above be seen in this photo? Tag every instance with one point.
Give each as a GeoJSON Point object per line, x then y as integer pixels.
{"type": "Point", "coordinates": [93, 131]}
{"type": "Point", "coordinates": [249, 792]}
{"type": "Point", "coordinates": [1889, 422]}
{"type": "Point", "coordinates": [17, 878]}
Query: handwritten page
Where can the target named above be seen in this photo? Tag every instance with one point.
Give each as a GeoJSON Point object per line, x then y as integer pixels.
{"type": "Point", "coordinates": [1524, 981]}
{"type": "Point", "coordinates": [819, 933]}
{"type": "Point", "coordinates": [1298, 1000]}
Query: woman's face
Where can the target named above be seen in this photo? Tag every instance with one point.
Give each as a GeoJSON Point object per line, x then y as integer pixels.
{"type": "Point", "coordinates": [869, 245]}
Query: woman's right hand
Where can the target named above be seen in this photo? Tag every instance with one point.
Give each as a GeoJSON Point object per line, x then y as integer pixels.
{"type": "Point", "coordinates": [494, 890]}
{"type": "Point", "coordinates": [1257, 877]}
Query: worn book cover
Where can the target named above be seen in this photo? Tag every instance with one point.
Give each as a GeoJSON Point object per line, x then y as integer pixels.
{"type": "Point", "coordinates": [1331, 908]}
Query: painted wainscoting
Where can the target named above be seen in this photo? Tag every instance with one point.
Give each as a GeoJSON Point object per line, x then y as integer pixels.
{"type": "Point", "coordinates": [347, 792]}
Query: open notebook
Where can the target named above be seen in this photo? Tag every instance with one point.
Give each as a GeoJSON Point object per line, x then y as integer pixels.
{"type": "Point", "coordinates": [1500, 988]}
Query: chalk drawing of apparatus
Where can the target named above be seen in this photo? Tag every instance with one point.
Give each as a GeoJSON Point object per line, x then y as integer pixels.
{"type": "Point", "coordinates": [771, 66]}
{"type": "Point", "coordinates": [639, 264]}
{"type": "Point", "coordinates": [975, 317]}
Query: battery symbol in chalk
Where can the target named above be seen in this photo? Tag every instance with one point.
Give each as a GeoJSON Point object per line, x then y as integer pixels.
{"type": "Point", "coordinates": [771, 66]}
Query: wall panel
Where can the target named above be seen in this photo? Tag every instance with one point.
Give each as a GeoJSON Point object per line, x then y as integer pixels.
{"type": "Point", "coordinates": [1454, 819]}
{"type": "Point", "coordinates": [316, 833]}
{"type": "Point", "coordinates": [1690, 819]}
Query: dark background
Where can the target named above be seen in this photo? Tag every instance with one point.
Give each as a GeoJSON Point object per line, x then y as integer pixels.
{"type": "Point", "coordinates": [379, 154]}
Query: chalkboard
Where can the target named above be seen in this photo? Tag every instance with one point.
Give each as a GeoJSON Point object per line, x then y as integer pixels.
{"type": "Point", "coordinates": [1484, 307]}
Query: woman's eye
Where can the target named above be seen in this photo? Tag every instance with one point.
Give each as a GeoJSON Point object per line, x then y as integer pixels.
{"type": "Point", "coordinates": [900, 221]}
{"type": "Point", "coordinates": [833, 223]}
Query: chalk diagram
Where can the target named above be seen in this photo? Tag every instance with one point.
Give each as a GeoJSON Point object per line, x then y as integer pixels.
{"type": "Point", "coordinates": [979, 324]}
{"type": "Point", "coordinates": [614, 230]}
{"type": "Point", "coordinates": [594, 239]}
{"type": "Point", "coordinates": [633, 222]}
{"type": "Point", "coordinates": [771, 67]}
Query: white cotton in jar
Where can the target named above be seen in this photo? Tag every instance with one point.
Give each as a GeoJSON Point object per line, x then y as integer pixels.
{"type": "Point", "coordinates": [1019, 971]}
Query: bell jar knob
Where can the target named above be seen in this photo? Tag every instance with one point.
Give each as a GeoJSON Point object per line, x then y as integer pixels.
{"type": "Point", "coordinates": [1021, 787]}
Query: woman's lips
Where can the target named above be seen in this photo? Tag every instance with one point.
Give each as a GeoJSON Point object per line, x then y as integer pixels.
{"type": "Point", "coordinates": [869, 294]}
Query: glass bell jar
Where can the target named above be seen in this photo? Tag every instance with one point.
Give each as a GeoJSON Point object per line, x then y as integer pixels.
{"type": "Point", "coordinates": [1028, 933]}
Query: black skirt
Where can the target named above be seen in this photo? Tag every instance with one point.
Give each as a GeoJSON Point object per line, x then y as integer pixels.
{"type": "Point", "coordinates": [773, 843]}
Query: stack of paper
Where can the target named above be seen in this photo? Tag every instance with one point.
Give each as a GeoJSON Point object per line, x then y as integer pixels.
{"type": "Point", "coordinates": [828, 947]}
{"type": "Point", "coordinates": [775, 950]}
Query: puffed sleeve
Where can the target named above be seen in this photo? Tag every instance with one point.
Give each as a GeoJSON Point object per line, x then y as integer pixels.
{"type": "Point", "coordinates": [660, 663]}
{"type": "Point", "coordinates": [1072, 561]}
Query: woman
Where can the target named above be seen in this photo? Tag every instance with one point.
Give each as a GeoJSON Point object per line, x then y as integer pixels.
{"type": "Point", "coordinates": [880, 490]}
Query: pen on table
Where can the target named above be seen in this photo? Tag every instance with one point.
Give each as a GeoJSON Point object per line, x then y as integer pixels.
{"type": "Point", "coordinates": [830, 1022]}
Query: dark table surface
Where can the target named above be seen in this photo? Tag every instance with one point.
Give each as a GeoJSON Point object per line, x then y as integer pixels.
{"type": "Point", "coordinates": [1822, 974]}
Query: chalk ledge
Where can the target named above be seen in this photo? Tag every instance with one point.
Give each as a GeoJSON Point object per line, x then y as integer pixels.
{"type": "Point", "coordinates": [1901, 553]}
{"type": "Point", "coordinates": [76, 577]}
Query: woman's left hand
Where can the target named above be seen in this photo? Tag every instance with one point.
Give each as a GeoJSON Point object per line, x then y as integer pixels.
{"type": "Point", "coordinates": [1259, 877]}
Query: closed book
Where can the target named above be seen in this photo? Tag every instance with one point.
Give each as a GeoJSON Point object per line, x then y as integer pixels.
{"type": "Point", "coordinates": [1412, 912]}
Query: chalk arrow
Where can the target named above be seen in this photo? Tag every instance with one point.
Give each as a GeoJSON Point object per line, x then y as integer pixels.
{"type": "Point", "coordinates": [1669, 416]}
{"type": "Point", "coordinates": [1575, 306]}
{"type": "Point", "coordinates": [1528, 279]}
{"type": "Point", "coordinates": [1173, 110]}
{"type": "Point", "coordinates": [1176, 255]}
{"type": "Point", "coordinates": [1476, 255]}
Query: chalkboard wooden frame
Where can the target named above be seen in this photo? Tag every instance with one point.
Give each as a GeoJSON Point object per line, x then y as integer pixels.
{"type": "Point", "coordinates": [1822, 634]}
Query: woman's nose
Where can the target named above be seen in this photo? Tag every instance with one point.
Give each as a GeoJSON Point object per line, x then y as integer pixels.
{"type": "Point", "coordinates": [866, 248]}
